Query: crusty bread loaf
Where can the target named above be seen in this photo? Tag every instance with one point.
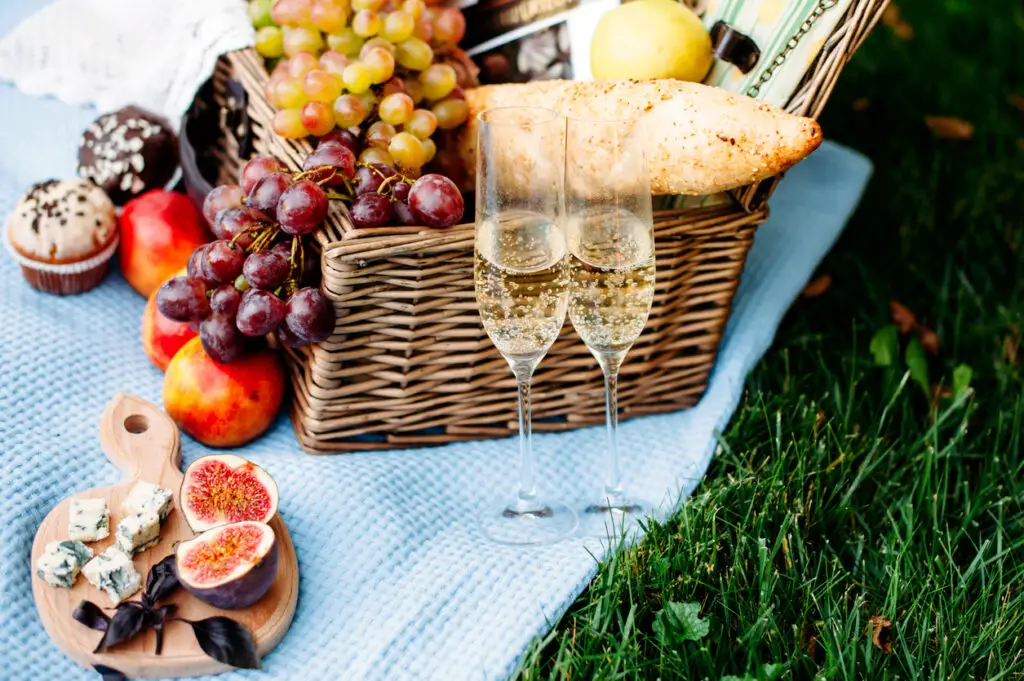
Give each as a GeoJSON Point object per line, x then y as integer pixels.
{"type": "Point", "coordinates": [702, 139]}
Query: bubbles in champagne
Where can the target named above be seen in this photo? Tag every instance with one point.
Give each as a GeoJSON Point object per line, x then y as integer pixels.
{"type": "Point", "coordinates": [522, 279]}
{"type": "Point", "coordinates": [611, 266]}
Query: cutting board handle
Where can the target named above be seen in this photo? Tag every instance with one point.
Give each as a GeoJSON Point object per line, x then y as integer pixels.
{"type": "Point", "coordinates": [139, 438]}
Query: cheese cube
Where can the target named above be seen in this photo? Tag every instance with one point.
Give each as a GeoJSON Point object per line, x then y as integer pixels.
{"type": "Point", "coordinates": [146, 496]}
{"type": "Point", "coordinates": [138, 532]}
{"type": "Point", "coordinates": [113, 572]}
{"type": "Point", "coordinates": [88, 519]}
{"type": "Point", "coordinates": [61, 561]}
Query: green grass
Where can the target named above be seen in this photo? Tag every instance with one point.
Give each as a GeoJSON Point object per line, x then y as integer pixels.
{"type": "Point", "coordinates": [840, 491]}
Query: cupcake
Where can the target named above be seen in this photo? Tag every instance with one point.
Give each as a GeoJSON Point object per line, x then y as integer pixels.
{"type": "Point", "coordinates": [63, 234]}
{"type": "Point", "coordinates": [127, 153]}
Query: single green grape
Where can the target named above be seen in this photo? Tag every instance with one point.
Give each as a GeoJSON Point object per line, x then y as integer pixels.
{"type": "Point", "coordinates": [414, 54]}
{"type": "Point", "coordinates": [396, 108]}
{"type": "Point", "coordinates": [438, 80]}
{"type": "Point", "coordinates": [366, 23]}
{"type": "Point", "coordinates": [380, 64]}
{"type": "Point", "coordinates": [398, 26]}
{"type": "Point", "coordinates": [259, 13]}
{"type": "Point", "coordinates": [345, 41]}
{"type": "Point", "coordinates": [421, 123]}
{"type": "Point", "coordinates": [451, 113]}
{"type": "Point", "coordinates": [270, 42]}
{"type": "Point", "coordinates": [407, 150]}
{"type": "Point", "coordinates": [350, 111]}
{"type": "Point", "coordinates": [357, 78]}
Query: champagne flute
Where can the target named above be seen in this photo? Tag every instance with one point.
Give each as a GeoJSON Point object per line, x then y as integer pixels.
{"type": "Point", "coordinates": [522, 284]}
{"type": "Point", "coordinates": [610, 233]}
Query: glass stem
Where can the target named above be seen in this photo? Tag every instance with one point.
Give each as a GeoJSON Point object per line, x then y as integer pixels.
{"type": "Point", "coordinates": [527, 500]}
{"type": "Point", "coordinates": [610, 364]}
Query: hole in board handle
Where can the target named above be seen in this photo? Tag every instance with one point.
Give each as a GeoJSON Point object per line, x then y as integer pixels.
{"type": "Point", "coordinates": [136, 423]}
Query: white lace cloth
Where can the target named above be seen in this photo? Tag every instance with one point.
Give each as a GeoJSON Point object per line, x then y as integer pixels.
{"type": "Point", "coordinates": [111, 53]}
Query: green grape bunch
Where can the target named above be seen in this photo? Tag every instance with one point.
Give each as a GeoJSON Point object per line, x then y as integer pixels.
{"type": "Point", "coordinates": [388, 71]}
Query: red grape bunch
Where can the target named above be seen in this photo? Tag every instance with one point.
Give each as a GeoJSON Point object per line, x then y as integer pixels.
{"type": "Point", "coordinates": [250, 282]}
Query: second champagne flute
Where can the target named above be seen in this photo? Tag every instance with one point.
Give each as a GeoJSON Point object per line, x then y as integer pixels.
{"type": "Point", "coordinates": [522, 284]}
{"type": "Point", "coordinates": [610, 232]}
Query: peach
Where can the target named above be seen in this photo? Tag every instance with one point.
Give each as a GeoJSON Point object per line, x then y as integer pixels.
{"type": "Point", "coordinates": [159, 230]}
{"type": "Point", "coordinates": [223, 405]}
{"type": "Point", "coordinates": [163, 337]}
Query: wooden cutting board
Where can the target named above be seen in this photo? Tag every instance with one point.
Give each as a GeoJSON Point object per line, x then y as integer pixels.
{"type": "Point", "coordinates": [145, 444]}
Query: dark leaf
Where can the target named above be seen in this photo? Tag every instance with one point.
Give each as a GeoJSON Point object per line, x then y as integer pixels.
{"type": "Point", "coordinates": [917, 363]}
{"type": "Point", "coordinates": [678, 622]}
{"type": "Point", "coordinates": [91, 615]}
{"type": "Point", "coordinates": [125, 625]}
{"type": "Point", "coordinates": [885, 346]}
{"type": "Point", "coordinates": [1017, 102]}
{"type": "Point", "coordinates": [881, 633]}
{"type": "Point", "coordinates": [157, 618]}
{"type": "Point", "coordinates": [817, 286]}
{"type": "Point", "coordinates": [902, 317]}
{"type": "Point", "coordinates": [861, 104]}
{"type": "Point", "coordinates": [162, 580]}
{"type": "Point", "coordinates": [227, 641]}
{"type": "Point", "coordinates": [109, 673]}
{"type": "Point", "coordinates": [962, 376]}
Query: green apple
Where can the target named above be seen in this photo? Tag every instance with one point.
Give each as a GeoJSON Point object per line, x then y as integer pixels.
{"type": "Point", "coordinates": [650, 39]}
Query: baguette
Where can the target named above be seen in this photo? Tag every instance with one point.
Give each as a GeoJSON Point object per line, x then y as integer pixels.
{"type": "Point", "coordinates": [702, 139]}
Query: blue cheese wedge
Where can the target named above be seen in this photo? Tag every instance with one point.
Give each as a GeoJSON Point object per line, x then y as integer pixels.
{"type": "Point", "coordinates": [61, 561]}
{"type": "Point", "coordinates": [138, 532]}
{"type": "Point", "coordinates": [145, 496]}
{"type": "Point", "coordinates": [88, 519]}
{"type": "Point", "coordinates": [114, 573]}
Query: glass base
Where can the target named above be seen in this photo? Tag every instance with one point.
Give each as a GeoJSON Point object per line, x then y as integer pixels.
{"type": "Point", "coordinates": [614, 520]}
{"type": "Point", "coordinates": [542, 522]}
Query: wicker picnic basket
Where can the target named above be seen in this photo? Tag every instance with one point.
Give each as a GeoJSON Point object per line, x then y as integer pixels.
{"type": "Point", "coordinates": [409, 363]}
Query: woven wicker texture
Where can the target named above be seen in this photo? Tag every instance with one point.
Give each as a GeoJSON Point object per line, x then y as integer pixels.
{"type": "Point", "coordinates": [409, 362]}
{"type": "Point", "coordinates": [397, 584]}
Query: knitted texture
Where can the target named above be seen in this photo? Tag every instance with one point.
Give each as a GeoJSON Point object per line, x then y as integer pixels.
{"type": "Point", "coordinates": [397, 581]}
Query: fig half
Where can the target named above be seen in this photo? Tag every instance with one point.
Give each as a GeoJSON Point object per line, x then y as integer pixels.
{"type": "Point", "coordinates": [229, 567]}
{"type": "Point", "coordinates": [224, 488]}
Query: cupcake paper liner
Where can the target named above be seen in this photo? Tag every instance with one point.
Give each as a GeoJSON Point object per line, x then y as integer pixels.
{"type": "Point", "coordinates": [66, 278]}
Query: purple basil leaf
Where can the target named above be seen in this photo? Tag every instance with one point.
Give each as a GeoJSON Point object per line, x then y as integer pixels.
{"type": "Point", "coordinates": [109, 673]}
{"type": "Point", "coordinates": [157, 618]}
{"type": "Point", "coordinates": [162, 580]}
{"type": "Point", "coordinates": [90, 614]}
{"type": "Point", "coordinates": [227, 641]}
{"type": "Point", "coordinates": [125, 625]}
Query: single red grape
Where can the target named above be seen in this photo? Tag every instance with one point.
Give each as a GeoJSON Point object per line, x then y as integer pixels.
{"type": "Point", "coordinates": [257, 168]}
{"type": "Point", "coordinates": [436, 201]}
{"type": "Point", "coordinates": [403, 214]}
{"type": "Point", "coordinates": [238, 224]}
{"type": "Point", "coordinates": [220, 339]}
{"type": "Point", "coordinates": [400, 190]}
{"type": "Point", "coordinates": [224, 261]}
{"type": "Point", "coordinates": [196, 267]}
{"type": "Point", "coordinates": [369, 178]}
{"type": "Point", "coordinates": [224, 300]}
{"type": "Point", "coordinates": [266, 269]}
{"type": "Point", "coordinates": [266, 193]}
{"type": "Point", "coordinates": [183, 299]}
{"type": "Point", "coordinates": [333, 155]}
{"type": "Point", "coordinates": [219, 198]}
{"type": "Point", "coordinates": [309, 316]}
{"type": "Point", "coordinates": [303, 206]}
{"type": "Point", "coordinates": [259, 312]}
{"type": "Point", "coordinates": [370, 210]}
{"type": "Point", "coordinates": [343, 137]}
{"type": "Point", "coordinates": [288, 338]}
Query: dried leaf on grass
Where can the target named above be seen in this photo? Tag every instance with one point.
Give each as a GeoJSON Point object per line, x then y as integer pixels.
{"type": "Point", "coordinates": [1011, 346]}
{"type": "Point", "coordinates": [1017, 102]}
{"type": "Point", "coordinates": [893, 18]}
{"type": "Point", "coordinates": [929, 341]}
{"type": "Point", "coordinates": [904, 319]}
{"type": "Point", "coordinates": [949, 127]}
{"type": "Point", "coordinates": [817, 286]}
{"type": "Point", "coordinates": [881, 633]}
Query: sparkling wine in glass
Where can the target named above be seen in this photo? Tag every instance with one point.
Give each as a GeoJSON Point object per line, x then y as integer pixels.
{"type": "Point", "coordinates": [521, 273]}
{"type": "Point", "coordinates": [610, 234]}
